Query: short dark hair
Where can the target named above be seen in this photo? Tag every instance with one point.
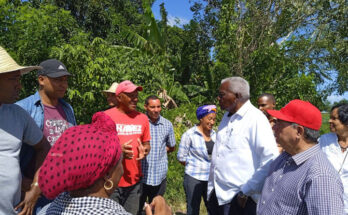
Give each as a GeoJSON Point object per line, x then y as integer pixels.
{"type": "Point", "coordinates": [310, 134]}
{"type": "Point", "coordinates": [152, 97]}
{"type": "Point", "coordinates": [342, 112]}
{"type": "Point", "coordinates": [269, 96]}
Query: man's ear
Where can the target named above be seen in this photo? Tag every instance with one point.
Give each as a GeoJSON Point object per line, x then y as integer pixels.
{"type": "Point", "coordinates": [118, 97]}
{"type": "Point", "coordinates": [41, 80]}
{"type": "Point", "coordinates": [300, 130]}
{"type": "Point", "coordinates": [238, 95]}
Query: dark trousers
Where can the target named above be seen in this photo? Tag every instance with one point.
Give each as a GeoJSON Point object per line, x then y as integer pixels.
{"type": "Point", "coordinates": [194, 190]}
{"type": "Point", "coordinates": [231, 208]}
{"type": "Point", "coordinates": [149, 192]}
{"type": "Point", "coordinates": [128, 197]}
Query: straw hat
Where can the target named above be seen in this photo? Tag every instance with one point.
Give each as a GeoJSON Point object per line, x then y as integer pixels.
{"type": "Point", "coordinates": [7, 64]}
{"type": "Point", "coordinates": [112, 88]}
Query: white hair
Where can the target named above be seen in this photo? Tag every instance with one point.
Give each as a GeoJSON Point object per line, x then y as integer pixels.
{"type": "Point", "coordinates": [238, 85]}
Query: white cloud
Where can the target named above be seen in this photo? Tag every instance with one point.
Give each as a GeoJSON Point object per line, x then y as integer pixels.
{"type": "Point", "coordinates": [336, 98]}
{"type": "Point", "coordinates": [178, 21]}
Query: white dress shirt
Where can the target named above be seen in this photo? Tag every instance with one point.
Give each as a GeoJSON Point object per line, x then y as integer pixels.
{"type": "Point", "coordinates": [329, 145]}
{"type": "Point", "coordinates": [244, 148]}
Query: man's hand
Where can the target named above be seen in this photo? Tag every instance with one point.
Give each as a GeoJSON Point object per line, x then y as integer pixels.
{"type": "Point", "coordinates": [147, 147]}
{"type": "Point", "coordinates": [160, 207]}
{"type": "Point", "coordinates": [127, 149]}
{"type": "Point", "coordinates": [144, 149]}
{"type": "Point", "coordinates": [141, 149]}
{"type": "Point", "coordinates": [30, 199]}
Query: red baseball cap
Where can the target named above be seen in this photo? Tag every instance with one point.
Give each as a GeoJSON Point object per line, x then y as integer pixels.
{"type": "Point", "coordinates": [300, 112]}
{"type": "Point", "coordinates": [127, 87]}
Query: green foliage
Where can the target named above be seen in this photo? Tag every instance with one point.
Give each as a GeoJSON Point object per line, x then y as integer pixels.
{"type": "Point", "coordinates": [287, 48]}
{"type": "Point", "coordinates": [89, 64]}
{"type": "Point", "coordinates": [273, 43]}
{"type": "Point", "coordinates": [325, 127]}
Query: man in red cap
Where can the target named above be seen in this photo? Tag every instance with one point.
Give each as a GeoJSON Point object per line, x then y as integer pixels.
{"type": "Point", "coordinates": [133, 129]}
{"type": "Point", "coordinates": [301, 179]}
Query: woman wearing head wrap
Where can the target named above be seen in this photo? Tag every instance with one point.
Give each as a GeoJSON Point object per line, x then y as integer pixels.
{"type": "Point", "coordinates": [335, 145]}
{"type": "Point", "coordinates": [194, 152]}
{"type": "Point", "coordinates": [83, 169]}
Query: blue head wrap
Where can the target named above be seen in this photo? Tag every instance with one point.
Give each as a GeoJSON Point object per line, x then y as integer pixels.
{"type": "Point", "coordinates": [204, 110]}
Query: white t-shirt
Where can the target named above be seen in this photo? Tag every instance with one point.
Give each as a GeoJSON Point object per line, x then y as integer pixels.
{"type": "Point", "coordinates": [16, 127]}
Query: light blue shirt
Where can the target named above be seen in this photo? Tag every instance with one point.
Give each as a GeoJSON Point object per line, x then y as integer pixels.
{"type": "Point", "coordinates": [193, 151]}
{"type": "Point", "coordinates": [339, 160]}
{"type": "Point", "coordinates": [33, 105]}
{"type": "Point", "coordinates": [155, 166]}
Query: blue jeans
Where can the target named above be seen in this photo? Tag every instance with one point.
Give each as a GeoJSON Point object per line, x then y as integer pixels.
{"type": "Point", "coordinates": [194, 190]}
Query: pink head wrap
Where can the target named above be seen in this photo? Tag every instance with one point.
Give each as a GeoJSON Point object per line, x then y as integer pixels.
{"type": "Point", "coordinates": [80, 156]}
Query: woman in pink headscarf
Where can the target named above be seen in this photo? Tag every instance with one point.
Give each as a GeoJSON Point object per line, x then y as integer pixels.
{"type": "Point", "coordinates": [83, 169]}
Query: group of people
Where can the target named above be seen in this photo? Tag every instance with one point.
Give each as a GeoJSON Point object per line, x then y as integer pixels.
{"type": "Point", "coordinates": [254, 171]}
{"type": "Point", "coordinates": [85, 169]}
{"type": "Point", "coordinates": [118, 164]}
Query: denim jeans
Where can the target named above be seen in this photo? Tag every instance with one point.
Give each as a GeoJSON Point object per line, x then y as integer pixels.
{"type": "Point", "coordinates": [194, 190]}
{"type": "Point", "coordinates": [128, 197]}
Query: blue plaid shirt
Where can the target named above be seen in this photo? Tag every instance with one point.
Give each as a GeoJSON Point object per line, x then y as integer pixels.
{"type": "Point", "coordinates": [305, 183]}
{"type": "Point", "coordinates": [193, 151]}
{"type": "Point", "coordinates": [155, 166]}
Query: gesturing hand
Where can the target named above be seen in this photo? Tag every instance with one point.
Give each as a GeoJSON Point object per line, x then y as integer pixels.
{"type": "Point", "coordinates": [141, 149]}
{"type": "Point", "coordinates": [127, 149]}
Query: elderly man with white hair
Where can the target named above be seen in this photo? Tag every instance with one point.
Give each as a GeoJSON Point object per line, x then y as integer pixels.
{"type": "Point", "coordinates": [244, 148]}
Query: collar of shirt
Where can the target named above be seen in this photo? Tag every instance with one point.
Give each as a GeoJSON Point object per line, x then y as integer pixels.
{"type": "Point", "coordinates": [37, 100]}
{"type": "Point", "coordinates": [305, 155]}
{"type": "Point", "coordinates": [242, 110]}
{"type": "Point", "coordinates": [158, 121]}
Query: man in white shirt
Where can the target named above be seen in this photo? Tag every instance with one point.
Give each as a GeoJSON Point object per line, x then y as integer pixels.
{"type": "Point", "coordinates": [244, 148]}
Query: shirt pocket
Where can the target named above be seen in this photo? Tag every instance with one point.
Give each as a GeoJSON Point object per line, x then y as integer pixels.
{"type": "Point", "coordinates": [236, 142]}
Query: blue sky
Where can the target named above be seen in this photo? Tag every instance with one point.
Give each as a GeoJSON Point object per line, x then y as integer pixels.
{"type": "Point", "coordinates": [177, 9]}
{"type": "Point", "coordinates": [180, 10]}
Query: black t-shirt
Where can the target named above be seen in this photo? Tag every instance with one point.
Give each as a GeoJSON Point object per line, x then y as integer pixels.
{"type": "Point", "coordinates": [209, 144]}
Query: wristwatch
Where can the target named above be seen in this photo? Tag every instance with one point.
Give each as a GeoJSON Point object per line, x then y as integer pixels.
{"type": "Point", "coordinates": [242, 195]}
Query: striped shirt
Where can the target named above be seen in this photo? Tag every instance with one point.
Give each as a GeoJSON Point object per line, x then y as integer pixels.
{"type": "Point", "coordinates": [193, 151]}
{"type": "Point", "coordinates": [155, 166]}
{"type": "Point", "coordinates": [305, 183]}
